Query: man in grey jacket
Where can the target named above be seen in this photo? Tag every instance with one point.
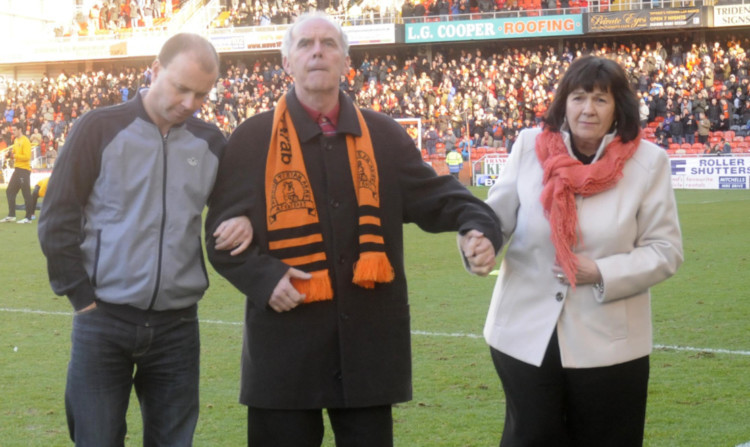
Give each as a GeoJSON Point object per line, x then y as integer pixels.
{"type": "Point", "coordinates": [121, 230]}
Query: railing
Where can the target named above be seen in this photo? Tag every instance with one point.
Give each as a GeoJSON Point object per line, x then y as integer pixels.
{"type": "Point", "coordinates": [196, 16]}
{"type": "Point", "coordinates": [180, 21]}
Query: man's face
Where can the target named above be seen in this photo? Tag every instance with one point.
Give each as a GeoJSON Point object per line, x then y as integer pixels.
{"type": "Point", "coordinates": [316, 58]}
{"type": "Point", "coordinates": [179, 89]}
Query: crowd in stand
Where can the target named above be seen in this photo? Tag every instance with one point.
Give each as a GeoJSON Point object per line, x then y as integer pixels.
{"type": "Point", "coordinates": [120, 15]}
{"type": "Point", "coordinates": [280, 12]}
{"type": "Point", "coordinates": [465, 98]}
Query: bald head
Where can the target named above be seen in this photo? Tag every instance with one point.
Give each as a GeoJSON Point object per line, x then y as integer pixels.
{"type": "Point", "coordinates": [190, 43]}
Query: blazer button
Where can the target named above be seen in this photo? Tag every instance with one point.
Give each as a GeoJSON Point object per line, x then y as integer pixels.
{"type": "Point", "coordinates": [559, 296]}
{"type": "Point", "coordinates": [327, 146]}
{"type": "Point", "coordinates": [338, 376]}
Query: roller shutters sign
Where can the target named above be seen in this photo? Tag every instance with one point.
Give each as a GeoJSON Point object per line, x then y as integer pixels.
{"type": "Point", "coordinates": [730, 172]}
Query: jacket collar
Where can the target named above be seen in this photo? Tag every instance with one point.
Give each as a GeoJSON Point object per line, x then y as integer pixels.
{"type": "Point", "coordinates": [565, 131]}
{"type": "Point", "coordinates": [143, 114]}
{"type": "Point", "coordinates": [307, 128]}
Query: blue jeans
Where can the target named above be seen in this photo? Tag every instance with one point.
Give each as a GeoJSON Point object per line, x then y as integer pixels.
{"type": "Point", "coordinates": [105, 353]}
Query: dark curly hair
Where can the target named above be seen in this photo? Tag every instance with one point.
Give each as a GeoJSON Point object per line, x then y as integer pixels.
{"type": "Point", "coordinates": [592, 72]}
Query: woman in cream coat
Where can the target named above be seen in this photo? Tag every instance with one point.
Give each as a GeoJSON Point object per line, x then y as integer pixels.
{"type": "Point", "coordinates": [569, 324]}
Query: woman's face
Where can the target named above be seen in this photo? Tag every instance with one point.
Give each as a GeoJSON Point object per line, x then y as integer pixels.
{"type": "Point", "coordinates": [590, 116]}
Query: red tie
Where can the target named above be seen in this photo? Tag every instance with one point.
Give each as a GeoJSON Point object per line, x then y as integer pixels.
{"type": "Point", "coordinates": [326, 126]}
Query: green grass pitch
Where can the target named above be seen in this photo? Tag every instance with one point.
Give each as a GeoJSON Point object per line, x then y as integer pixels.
{"type": "Point", "coordinates": [700, 370]}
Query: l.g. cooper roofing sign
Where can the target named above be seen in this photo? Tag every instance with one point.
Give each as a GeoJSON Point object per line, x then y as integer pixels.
{"type": "Point", "coordinates": [489, 29]}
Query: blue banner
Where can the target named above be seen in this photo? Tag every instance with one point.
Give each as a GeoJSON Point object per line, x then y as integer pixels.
{"type": "Point", "coordinates": [491, 29]}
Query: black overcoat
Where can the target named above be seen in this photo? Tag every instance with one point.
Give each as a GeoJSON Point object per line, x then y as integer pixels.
{"type": "Point", "coordinates": [355, 350]}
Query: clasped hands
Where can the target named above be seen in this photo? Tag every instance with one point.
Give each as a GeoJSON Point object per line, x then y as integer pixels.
{"type": "Point", "coordinates": [478, 251]}
{"type": "Point", "coordinates": [234, 234]}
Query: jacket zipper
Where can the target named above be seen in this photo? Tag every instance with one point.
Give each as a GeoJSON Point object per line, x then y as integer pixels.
{"type": "Point", "coordinates": [163, 222]}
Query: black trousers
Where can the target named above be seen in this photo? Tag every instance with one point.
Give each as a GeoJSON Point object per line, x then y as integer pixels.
{"type": "Point", "coordinates": [352, 427]}
{"type": "Point", "coordinates": [21, 179]}
{"type": "Point", "coordinates": [34, 199]}
{"type": "Point", "coordinates": [555, 406]}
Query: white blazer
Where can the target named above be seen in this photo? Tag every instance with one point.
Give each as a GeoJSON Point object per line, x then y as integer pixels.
{"type": "Point", "coordinates": [631, 231]}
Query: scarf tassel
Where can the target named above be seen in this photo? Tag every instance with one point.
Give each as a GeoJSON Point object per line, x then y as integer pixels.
{"type": "Point", "coordinates": [317, 288]}
{"type": "Point", "coordinates": [372, 267]}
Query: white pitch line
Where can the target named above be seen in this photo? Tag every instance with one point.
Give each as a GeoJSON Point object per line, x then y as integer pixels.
{"type": "Point", "coordinates": [425, 333]}
{"type": "Point", "coordinates": [713, 351]}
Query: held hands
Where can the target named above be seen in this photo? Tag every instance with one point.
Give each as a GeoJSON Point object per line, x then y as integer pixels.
{"type": "Point", "coordinates": [478, 251]}
{"type": "Point", "coordinates": [285, 297]}
{"type": "Point", "coordinates": [234, 234]}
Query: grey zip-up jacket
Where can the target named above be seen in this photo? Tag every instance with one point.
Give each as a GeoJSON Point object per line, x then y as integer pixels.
{"type": "Point", "coordinates": [121, 221]}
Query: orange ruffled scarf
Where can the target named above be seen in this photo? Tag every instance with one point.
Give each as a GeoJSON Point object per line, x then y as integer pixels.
{"type": "Point", "coordinates": [294, 230]}
{"type": "Point", "coordinates": [564, 177]}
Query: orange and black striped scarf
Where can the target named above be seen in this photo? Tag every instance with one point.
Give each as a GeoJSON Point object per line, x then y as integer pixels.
{"type": "Point", "coordinates": [294, 230]}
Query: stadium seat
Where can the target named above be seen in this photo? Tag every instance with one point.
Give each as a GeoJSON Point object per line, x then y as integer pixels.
{"type": "Point", "coordinates": [674, 146]}
{"type": "Point", "coordinates": [686, 146]}
{"type": "Point", "coordinates": [698, 146]}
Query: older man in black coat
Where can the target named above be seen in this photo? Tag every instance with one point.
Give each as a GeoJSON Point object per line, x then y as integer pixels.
{"type": "Point", "coordinates": [347, 351]}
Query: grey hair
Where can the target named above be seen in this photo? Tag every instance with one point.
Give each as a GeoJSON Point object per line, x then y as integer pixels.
{"type": "Point", "coordinates": [286, 42]}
